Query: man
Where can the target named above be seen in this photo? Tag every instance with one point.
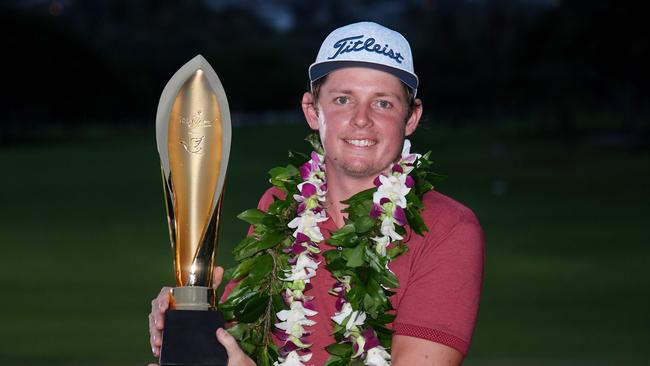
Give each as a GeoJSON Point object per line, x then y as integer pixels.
{"type": "Point", "coordinates": [362, 102]}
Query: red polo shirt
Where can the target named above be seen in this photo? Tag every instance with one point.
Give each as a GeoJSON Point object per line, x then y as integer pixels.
{"type": "Point", "coordinates": [440, 278]}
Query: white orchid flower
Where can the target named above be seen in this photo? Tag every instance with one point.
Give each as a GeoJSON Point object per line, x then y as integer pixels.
{"type": "Point", "coordinates": [300, 274]}
{"type": "Point", "coordinates": [392, 187]}
{"type": "Point", "coordinates": [340, 316]}
{"type": "Point", "coordinates": [357, 318]}
{"type": "Point", "coordinates": [377, 356]}
{"type": "Point", "coordinates": [308, 225]}
{"type": "Point", "coordinates": [293, 359]}
{"type": "Point", "coordinates": [388, 229]}
{"type": "Point", "coordinates": [295, 318]}
{"type": "Point", "coordinates": [381, 243]}
{"type": "Point", "coordinates": [361, 342]}
{"type": "Point", "coordinates": [354, 317]}
{"type": "Point", "coordinates": [304, 262]}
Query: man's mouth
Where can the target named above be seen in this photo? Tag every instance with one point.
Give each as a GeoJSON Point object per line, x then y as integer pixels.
{"type": "Point", "coordinates": [361, 143]}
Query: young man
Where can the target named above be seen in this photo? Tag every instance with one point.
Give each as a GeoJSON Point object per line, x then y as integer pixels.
{"type": "Point", "coordinates": [363, 105]}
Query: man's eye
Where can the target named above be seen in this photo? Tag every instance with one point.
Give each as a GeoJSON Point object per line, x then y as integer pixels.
{"type": "Point", "coordinates": [384, 104]}
{"type": "Point", "coordinates": [342, 100]}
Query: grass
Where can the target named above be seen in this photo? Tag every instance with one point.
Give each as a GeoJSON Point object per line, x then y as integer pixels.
{"type": "Point", "coordinates": [85, 247]}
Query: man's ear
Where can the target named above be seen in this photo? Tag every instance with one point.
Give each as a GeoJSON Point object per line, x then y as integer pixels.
{"type": "Point", "coordinates": [414, 119]}
{"type": "Point", "coordinates": [310, 110]}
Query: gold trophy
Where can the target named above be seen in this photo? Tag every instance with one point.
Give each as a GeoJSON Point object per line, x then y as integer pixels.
{"type": "Point", "coordinates": [193, 134]}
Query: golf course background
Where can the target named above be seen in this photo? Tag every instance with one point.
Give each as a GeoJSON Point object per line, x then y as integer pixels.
{"type": "Point", "coordinates": [85, 245]}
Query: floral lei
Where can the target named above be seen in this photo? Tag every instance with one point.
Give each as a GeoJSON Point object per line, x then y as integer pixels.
{"type": "Point", "coordinates": [278, 260]}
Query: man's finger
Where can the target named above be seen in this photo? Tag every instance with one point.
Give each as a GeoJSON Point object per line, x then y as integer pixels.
{"type": "Point", "coordinates": [217, 276]}
{"type": "Point", "coordinates": [229, 342]}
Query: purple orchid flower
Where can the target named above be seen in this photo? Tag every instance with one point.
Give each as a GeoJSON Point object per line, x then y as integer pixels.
{"type": "Point", "coordinates": [371, 339]}
{"type": "Point", "coordinates": [410, 182]}
{"type": "Point", "coordinates": [375, 211]}
{"type": "Point", "coordinates": [301, 238]}
{"type": "Point", "coordinates": [400, 216]}
{"type": "Point", "coordinates": [305, 171]}
{"type": "Point", "coordinates": [308, 190]}
{"type": "Point", "coordinates": [297, 248]}
{"type": "Point", "coordinates": [280, 335]}
{"type": "Point", "coordinates": [314, 157]}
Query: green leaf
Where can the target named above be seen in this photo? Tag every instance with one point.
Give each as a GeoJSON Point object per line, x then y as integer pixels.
{"type": "Point", "coordinates": [254, 216]}
{"type": "Point", "coordinates": [335, 260]}
{"type": "Point", "coordinates": [344, 237]}
{"type": "Point", "coordinates": [238, 295]}
{"type": "Point", "coordinates": [340, 349]}
{"type": "Point", "coordinates": [238, 330]}
{"type": "Point", "coordinates": [247, 241]}
{"type": "Point", "coordinates": [263, 266]}
{"type": "Point", "coordinates": [335, 361]}
{"type": "Point", "coordinates": [272, 349]}
{"type": "Point", "coordinates": [263, 358]}
{"type": "Point", "coordinates": [356, 295]}
{"type": "Point", "coordinates": [354, 256]}
{"type": "Point", "coordinates": [243, 268]}
{"type": "Point", "coordinates": [389, 280]}
{"type": "Point", "coordinates": [253, 246]}
{"type": "Point", "coordinates": [342, 232]}
{"type": "Point", "coordinates": [314, 141]}
{"type": "Point", "coordinates": [361, 196]}
{"type": "Point", "coordinates": [278, 303]}
{"type": "Point", "coordinates": [364, 224]}
{"type": "Point", "coordinates": [253, 308]}
{"type": "Point", "coordinates": [396, 250]}
{"type": "Point", "coordinates": [247, 347]}
{"type": "Point", "coordinates": [415, 221]}
{"type": "Point", "coordinates": [284, 177]}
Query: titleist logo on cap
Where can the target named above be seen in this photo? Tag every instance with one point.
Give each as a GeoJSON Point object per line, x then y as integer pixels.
{"type": "Point", "coordinates": [358, 44]}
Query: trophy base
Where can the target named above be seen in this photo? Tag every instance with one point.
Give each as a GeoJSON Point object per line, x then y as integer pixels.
{"type": "Point", "coordinates": [189, 339]}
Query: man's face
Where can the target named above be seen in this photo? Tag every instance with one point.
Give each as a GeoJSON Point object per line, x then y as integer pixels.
{"type": "Point", "coordinates": [361, 117]}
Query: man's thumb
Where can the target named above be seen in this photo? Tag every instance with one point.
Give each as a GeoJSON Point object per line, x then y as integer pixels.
{"type": "Point", "coordinates": [217, 277]}
{"type": "Point", "coordinates": [229, 342]}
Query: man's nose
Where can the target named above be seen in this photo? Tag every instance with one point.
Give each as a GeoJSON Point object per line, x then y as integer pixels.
{"type": "Point", "coordinates": [362, 117]}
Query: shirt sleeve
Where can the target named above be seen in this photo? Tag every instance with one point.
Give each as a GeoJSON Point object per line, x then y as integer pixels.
{"type": "Point", "coordinates": [441, 297]}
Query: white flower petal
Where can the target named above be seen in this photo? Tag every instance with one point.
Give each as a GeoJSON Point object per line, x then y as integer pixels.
{"type": "Point", "coordinates": [340, 316]}
{"type": "Point", "coordinates": [377, 356]}
{"type": "Point", "coordinates": [293, 359]}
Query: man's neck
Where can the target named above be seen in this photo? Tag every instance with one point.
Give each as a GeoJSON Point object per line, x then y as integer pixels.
{"type": "Point", "coordinates": [341, 187]}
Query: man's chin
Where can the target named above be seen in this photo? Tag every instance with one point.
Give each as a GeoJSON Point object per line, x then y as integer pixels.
{"type": "Point", "coordinates": [360, 170]}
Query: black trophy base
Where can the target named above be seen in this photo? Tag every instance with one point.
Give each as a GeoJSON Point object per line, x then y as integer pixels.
{"type": "Point", "coordinates": [189, 339]}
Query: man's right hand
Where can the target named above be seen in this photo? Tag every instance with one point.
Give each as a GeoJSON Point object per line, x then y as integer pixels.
{"type": "Point", "coordinates": [157, 318]}
{"type": "Point", "coordinates": [158, 307]}
{"type": "Point", "coordinates": [236, 357]}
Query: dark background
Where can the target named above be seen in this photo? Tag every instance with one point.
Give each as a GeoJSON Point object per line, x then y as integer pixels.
{"type": "Point", "coordinates": [555, 66]}
{"type": "Point", "coordinates": [537, 111]}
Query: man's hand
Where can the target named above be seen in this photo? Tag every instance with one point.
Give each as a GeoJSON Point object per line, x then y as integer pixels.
{"type": "Point", "coordinates": [236, 357]}
{"type": "Point", "coordinates": [156, 319]}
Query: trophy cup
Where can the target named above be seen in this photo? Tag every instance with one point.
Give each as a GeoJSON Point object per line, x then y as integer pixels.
{"type": "Point", "coordinates": [193, 135]}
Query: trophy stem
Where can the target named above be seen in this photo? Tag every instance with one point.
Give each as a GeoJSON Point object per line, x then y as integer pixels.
{"type": "Point", "coordinates": [194, 298]}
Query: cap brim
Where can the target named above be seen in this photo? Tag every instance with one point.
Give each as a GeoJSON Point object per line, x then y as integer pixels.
{"type": "Point", "coordinates": [318, 70]}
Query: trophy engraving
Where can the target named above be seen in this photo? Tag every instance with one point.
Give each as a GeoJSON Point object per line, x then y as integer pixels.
{"type": "Point", "coordinates": [193, 134]}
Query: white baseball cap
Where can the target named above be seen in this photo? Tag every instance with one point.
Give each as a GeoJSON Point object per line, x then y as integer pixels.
{"type": "Point", "coordinates": [365, 44]}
